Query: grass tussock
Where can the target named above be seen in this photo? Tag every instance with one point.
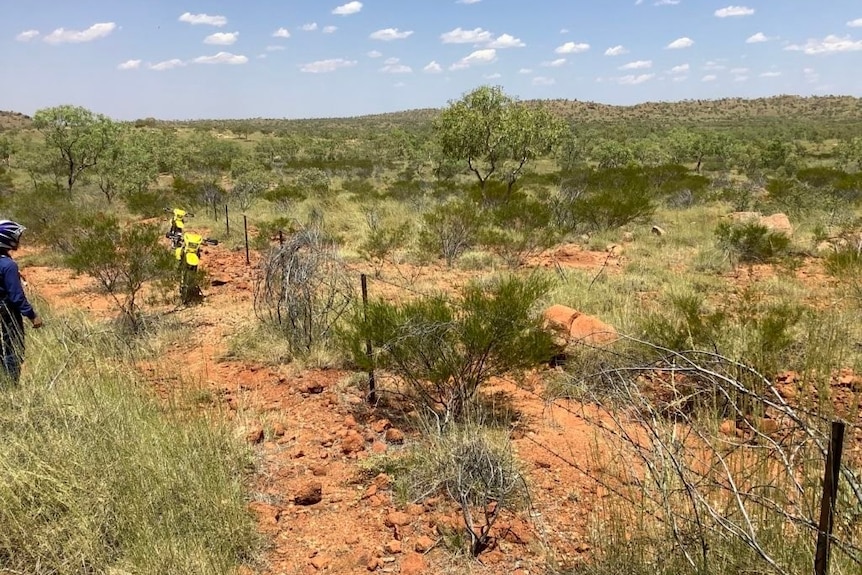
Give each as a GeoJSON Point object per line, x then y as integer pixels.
{"type": "Point", "coordinates": [95, 476]}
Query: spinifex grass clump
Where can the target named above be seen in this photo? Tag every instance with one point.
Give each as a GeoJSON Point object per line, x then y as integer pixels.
{"type": "Point", "coordinates": [95, 476]}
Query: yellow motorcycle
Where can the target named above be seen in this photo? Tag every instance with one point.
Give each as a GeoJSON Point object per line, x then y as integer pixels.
{"type": "Point", "coordinates": [175, 233]}
{"type": "Point", "coordinates": [188, 254]}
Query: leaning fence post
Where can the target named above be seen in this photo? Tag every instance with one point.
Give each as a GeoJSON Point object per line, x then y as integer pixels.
{"type": "Point", "coordinates": [280, 237]}
{"type": "Point", "coordinates": [226, 221]}
{"type": "Point", "coordinates": [830, 494]}
{"type": "Point", "coordinates": [245, 232]}
{"type": "Point", "coordinates": [372, 393]}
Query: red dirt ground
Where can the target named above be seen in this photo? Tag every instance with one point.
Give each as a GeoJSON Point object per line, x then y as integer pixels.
{"type": "Point", "coordinates": [311, 430]}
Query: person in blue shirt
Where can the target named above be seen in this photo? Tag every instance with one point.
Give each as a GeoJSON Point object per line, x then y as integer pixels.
{"type": "Point", "coordinates": [14, 306]}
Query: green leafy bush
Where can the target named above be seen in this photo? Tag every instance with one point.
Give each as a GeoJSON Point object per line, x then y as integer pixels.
{"type": "Point", "coordinates": [121, 259]}
{"type": "Point", "coordinates": [445, 350]}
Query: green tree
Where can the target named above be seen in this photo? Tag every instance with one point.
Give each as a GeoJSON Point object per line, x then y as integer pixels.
{"type": "Point", "coordinates": [495, 134]}
{"type": "Point", "coordinates": [81, 137]}
{"type": "Point", "coordinates": [130, 165]}
{"type": "Point", "coordinates": [7, 148]}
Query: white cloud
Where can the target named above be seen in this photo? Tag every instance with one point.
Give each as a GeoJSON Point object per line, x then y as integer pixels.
{"type": "Point", "coordinates": [396, 68]}
{"type": "Point", "coordinates": [484, 56]}
{"type": "Point", "coordinates": [811, 75]}
{"type": "Point", "coordinates": [460, 36]}
{"type": "Point", "coordinates": [167, 65]}
{"type": "Point", "coordinates": [755, 38]}
{"type": "Point", "coordinates": [857, 23]}
{"type": "Point", "coordinates": [830, 45]}
{"type": "Point", "coordinates": [329, 29]}
{"type": "Point", "coordinates": [616, 51]}
{"type": "Point", "coordinates": [713, 65]}
{"type": "Point", "coordinates": [739, 71]}
{"type": "Point", "coordinates": [543, 81]}
{"type": "Point", "coordinates": [94, 32]}
{"type": "Point", "coordinates": [637, 65]}
{"type": "Point", "coordinates": [554, 63]}
{"type": "Point", "coordinates": [682, 68]}
{"type": "Point", "coordinates": [564, 30]}
{"type": "Point", "coordinates": [281, 33]}
{"type": "Point", "coordinates": [129, 65]}
{"type": "Point", "coordinates": [261, 56]}
{"type": "Point", "coordinates": [525, 71]}
{"type": "Point", "coordinates": [684, 42]}
{"type": "Point", "coordinates": [221, 58]}
{"type": "Point", "coordinates": [572, 48]}
{"type": "Point", "coordinates": [741, 78]}
{"type": "Point", "coordinates": [631, 79]}
{"type": "Point", "coordinates": [348, 9]}
{"type": "Point", "coordinates": [274, 48]}
{"type": "Point", "coordinates": [666, 2]}
{"type": "Point", "coordinates": [322, 66]}
{"type": "Point", "coordinates": [203, 19]}
{"type": "Point", "coordinates": [506, 41]}
{"type": "Point", "coordinates": [433, 67]}
{"type": "Point", "coordinates": [680, 78]}
{"type": "Point", "coordinates": [374, 54]}
{"type": "Point", "coordinates": [27, 35]}
{"type": "Point", "coordinates": [731, 11]}
{"type": "Point", "coordinates": [222, 38]}
{"type": "Point", "coordinates": [388, 34]}
{"type": "Point", "coordinates": [770, 74]}
{"type": "Point", "coordinates": [467, 1]}
{"type": "Point", "coordinates": [310, 27]}
{"type": "Point", "coordinates": [709, 78]}
{"type": "Point", "coordinates": [493, 76]}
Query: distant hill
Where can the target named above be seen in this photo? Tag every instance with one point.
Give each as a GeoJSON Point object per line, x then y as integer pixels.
{"type": "Point", "coordinates": [833, 110]}
{"type": "Point", "coordinates": [14, 120]}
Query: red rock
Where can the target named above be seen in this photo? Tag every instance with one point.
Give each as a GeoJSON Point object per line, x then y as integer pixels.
{"type": "Point", "coordinates": [727, 427]}
{"type": "Point", "coordinates": [350, 422]}
{"type": "Point", "coordinates": [318, 470]}
{"type": "Point", "coordinates": [278, 429]}
{"type": "Point", "coordinates": [413, 564]}
{"type": "Point", "coordinates": [394, 435]}
{"type": "Point", "coordinates": [381, 425]}
{"type": "Point", "coordinates": [415, 509]}
{"type": "Point", "coordinates": [397, 519]}
{"type": "Point", "coordinates": [320, 562]}
{"type": "Point", "coordinates": [378, 447]}
{"type": "Point", "coordinates": [392, 547]}
{"type": "Point", "coordinates": [423, 544]}
{"type": "Point", "coordinates": [254, 435]}
{"type": "Point", "coordinates": [352, 442]}
{"type": "Point", "coordinates": [309, 494]}
{"type": "Point", "coordinates": [591, 330]}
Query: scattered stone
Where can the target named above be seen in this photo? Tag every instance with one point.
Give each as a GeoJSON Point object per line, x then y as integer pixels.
{"type": "Point", "coordinates": [392, 547]}
{"type": "Point", "coordinates": [412, 564]}
{"type": "Point", "coordinates": [728, 427]}
{"type": "Point", "coordinates": [309, 494]}
{"type": "Point", "coordinates": [397, 519]}
{"type": "Point", "coordinates": [381, 425]}
{"type": "Point", "coordinates": [318, 470]}
{"type": "Point", "coordinates": [394, 435]}
{"type": "Point", "coordinates": [614, 249]}
{"type": "Point", "coordinates": [350, 422]}
{"type": "Point", "coordinates": [311, 387]}
{"type": "Point", "coordinates": [423, 544]}
{"type": "Point", "coordinates": [352, 442]}
{"type": "Point", "coordinates": [320, 562]}
{"type": "Point", "coordinates": [254, 435]}
{"type": "Point", "coordinates": [628, 237]}
{"type": "Point", "coordinates": [657, 231]}
{"type": "Point", "coordinates": [278, 429]}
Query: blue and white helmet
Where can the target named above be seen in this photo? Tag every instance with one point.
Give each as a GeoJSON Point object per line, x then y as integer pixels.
{"type": "Point", "coordinates": [10, 234]}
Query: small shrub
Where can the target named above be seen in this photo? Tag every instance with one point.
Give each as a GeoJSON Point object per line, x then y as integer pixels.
{"type": "Point", "coordinates": [751, 241]}
{"type": "Point", "coordinates": [446, 350]}
{"type": "Point", "coordinates": [382, 238]}
{"type": "Point", "coordinates": [450, 229]}
{"type": "Point", "coordinates": [122, 260]}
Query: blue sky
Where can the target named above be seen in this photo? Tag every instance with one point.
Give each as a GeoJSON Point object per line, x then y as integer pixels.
{"type": "Point", "coordinates": [183, 59]}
